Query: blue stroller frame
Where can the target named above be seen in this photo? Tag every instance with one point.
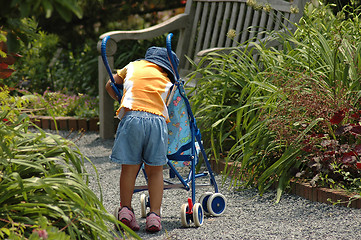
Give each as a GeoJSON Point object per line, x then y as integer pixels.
{"type": "Point", "coordinates": [184, 145]}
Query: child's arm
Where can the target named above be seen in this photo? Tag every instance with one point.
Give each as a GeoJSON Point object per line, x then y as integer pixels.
{"type": "Point", "coordinates": [108, 87]}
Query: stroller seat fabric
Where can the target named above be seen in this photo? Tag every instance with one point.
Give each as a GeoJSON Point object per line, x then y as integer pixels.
{"type": "Point", "coordinates": [179, 132]}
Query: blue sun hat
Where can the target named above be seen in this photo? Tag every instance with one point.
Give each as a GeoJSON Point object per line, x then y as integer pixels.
{"type": "Point", "coordinates": [159, 56]}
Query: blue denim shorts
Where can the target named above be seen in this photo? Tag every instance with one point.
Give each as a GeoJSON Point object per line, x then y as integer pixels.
{"type": "Point", "coordinates": [141, 137]}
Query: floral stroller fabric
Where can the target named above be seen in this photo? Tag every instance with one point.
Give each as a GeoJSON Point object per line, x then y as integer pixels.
{"type": "Point", "coordinates": [179, 129]}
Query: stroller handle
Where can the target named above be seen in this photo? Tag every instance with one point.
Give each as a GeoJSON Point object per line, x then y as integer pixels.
{"type": "Point", "coordinates": [106, 64]}
{"type": "Point", "coordinates": [170, 55]}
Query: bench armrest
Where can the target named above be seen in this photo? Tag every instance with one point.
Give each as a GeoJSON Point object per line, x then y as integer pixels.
{"type": "Point", "coordinates": [177, 22]}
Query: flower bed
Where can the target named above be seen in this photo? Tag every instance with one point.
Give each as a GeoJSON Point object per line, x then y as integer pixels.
{"type": "Point", "coordinates": [59, 104]}
{"type": "Point", "coordinates": [305, 190]}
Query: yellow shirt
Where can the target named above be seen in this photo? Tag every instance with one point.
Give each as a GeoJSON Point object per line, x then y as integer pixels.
{"type": "Point", "coordinates": [146, 87]}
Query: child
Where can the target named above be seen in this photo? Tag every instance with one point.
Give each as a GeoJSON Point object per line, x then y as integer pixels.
{"type": "Point", "coordinates": [142, 135]}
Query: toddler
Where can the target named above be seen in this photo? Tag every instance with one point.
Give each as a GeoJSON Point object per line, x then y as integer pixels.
{"type": "Point", "coordinates": [142, 134]}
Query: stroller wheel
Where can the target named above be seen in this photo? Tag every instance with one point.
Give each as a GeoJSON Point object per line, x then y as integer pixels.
{"type": "Point", "coordinates": [116, 212]}
{"type": "Point", "coordinates": [143, 205]}
{"type": "Point", "coordinates": [185, 218]}
{"type": "Point", "coordinates": [203, 201]}
{"type": "Point", "coordinates": [216, 204]}
{"type": "Point", "coordinates": [198, 214]}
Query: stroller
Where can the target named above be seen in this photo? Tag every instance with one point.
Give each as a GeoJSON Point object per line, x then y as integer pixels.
{"type": "Point", "coordinates": [184, 146]}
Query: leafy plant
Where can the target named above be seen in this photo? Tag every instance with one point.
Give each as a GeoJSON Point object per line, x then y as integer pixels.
{"type": "Point", "coordinates": [12, 13]}
{"type": "Point", "coordinates": [330, 51]}
{"type": "Point", "coordinates": [32, 71]}
{"type": "Point", "coordinates": [44, 64]}
{"type": "Point", "coordinates": [60, 104]}
{"type": "Point", "coordinates": [44, 185]}
{"type": "Point", "coordinates": [333, 161]}
{"type": "Point", "coordinates": [6, 60]}
{"type": "Point", "coordinates": [76, 71]}
{"type": "Point", "coordinates": [263, 114]}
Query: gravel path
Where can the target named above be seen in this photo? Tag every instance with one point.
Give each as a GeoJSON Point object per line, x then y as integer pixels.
{"type": "Point", "coordinates": [248, 215]}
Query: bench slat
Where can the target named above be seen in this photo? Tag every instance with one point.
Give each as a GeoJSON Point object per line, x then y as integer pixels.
{"type": "Point", "coordinates": [263, 21]}
{"type": "Point", "coordinates": [216, 25]}
{"type": "Point", "coordinates": [246, 24]}
{"type": "Point", "coordinates": [210, 28]}
{"type": "Point", "coordinates": [240, 22]}
{"type": "Point", "coordinates": [270, 20]}
{"type": "Point", "coordinates": [224, 29]}
{"type": "Point", "coordinates": [202, 27]}
{"type": "Point", "coordinates": [232, 23]}
{"type": "Point", "coordinates": [255, 24]}
{"type": "Point", "coordinates": [286, 19]}
{"type": "Point", "coordinates": [193, 33]}
{"type": "Point", "coordinates": [278, 21]}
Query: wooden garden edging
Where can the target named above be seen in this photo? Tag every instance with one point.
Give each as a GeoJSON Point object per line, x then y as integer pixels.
{"type": "Point", "coordinates": [66, 123]}
{"type": "Point", "coordinates": [305, 190]}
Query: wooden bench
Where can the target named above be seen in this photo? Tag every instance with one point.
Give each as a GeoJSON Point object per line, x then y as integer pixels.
{"type": "Point", "coordinates": [203, 27]}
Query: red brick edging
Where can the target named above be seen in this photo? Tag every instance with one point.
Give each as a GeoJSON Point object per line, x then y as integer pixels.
{"type": "Point", "coordinates": [66, 123]}
{"type": "Point", "coordinates": [305, 190]}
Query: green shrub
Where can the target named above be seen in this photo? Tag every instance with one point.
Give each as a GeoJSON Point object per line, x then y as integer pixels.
{"type": "Point", "coordinates": [44, 185]}
{"type": "Point", "coordinates": [32, 69]}
{"type": "Point", "coordinates": [268, 114]}
{"type": "Point", "coordinates": [59, 104]}
{"type": "Point", "coordinates": [76, 71]}
{"type": "Point", "coordinates": [45, 64]}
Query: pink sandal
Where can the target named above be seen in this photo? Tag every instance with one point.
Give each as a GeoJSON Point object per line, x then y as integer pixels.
{"type": "Point", "coordinates": [153, 222]}
{"type": "Point", "coordinates": [127, 216]}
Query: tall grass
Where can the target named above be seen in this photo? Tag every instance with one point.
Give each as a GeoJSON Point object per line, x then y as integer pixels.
{"type": "Point", "coordinates": [263, 113]}
{"type": "Point", "coordinates": [44, 185]}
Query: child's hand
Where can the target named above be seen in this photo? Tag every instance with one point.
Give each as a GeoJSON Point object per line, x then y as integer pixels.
{"type": "Point", "coordinates": [108, 87]}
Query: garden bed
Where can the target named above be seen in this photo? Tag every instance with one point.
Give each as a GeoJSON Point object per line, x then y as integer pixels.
{"type": "Point", "coordinates": [299, 188]}
{"type": "Point", "coordinates": [305, 190]}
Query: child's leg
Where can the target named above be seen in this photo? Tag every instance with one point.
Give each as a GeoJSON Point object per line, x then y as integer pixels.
{"type": "Point", "coordinates": [155, 187]}
{"type": "Point", "coordinates": [127, 181]}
